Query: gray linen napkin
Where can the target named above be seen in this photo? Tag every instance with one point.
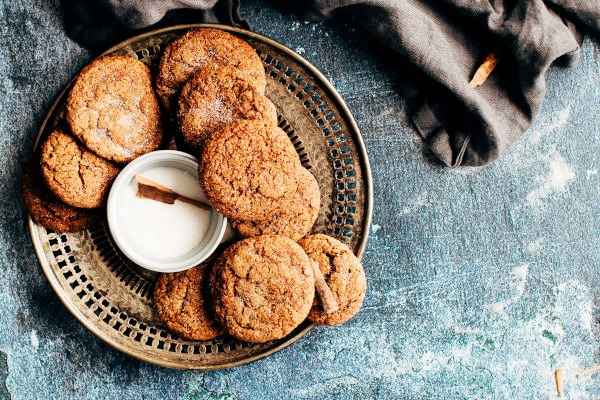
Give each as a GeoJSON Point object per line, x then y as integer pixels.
{"type": "Point", "coordinates": [446, 41]}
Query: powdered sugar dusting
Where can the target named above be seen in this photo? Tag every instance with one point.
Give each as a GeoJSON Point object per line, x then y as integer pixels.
{"type": "Point", "coordinates": [557, 179]}
{"type": "Point", "coordinates": [535, 248]}
{"type": "Point", "coordinates": [558, 120]}
{"type": "Point", "coordinates": [101, 135]}
{"type": "Point", "coordinates": [518, 283]}
{"type": "Point", "coordinates": [35, 341]}
{"type": "Point", "coordinates": [214, 111]}
{"type": "Point", "coordinates": [418, 202]}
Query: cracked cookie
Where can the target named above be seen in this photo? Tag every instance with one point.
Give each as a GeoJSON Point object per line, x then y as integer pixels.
{"type": "Point", "coordinates": [296, 215]}
{"type": "Point", "coordinates": [263, 288]}
{"type": "Point", "coordinates": [181, 302]}
{"type": "Point", "coordinates": [246, 168]}
{"type": "Point", "coordinates": [216, 96]}
{"type": "Point", "coordinates": [74, 174]}
{"type": "Point", "coordinates": [344, 275]}
{"type": "Point", "coordinates": [113, 110]}
{"type": "Point", "coordinates": [47, 211]}
{"type": "Point", "coordinates": [200, 47]}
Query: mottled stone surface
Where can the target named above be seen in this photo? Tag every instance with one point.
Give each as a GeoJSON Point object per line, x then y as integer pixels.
{"type": "Point", "coordinates": [481, 282]}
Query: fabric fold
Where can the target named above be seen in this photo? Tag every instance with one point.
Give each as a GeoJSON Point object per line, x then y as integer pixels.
{"type": "Point", "coordinates": [448, 39]}
{"type": "Point", "coordinates": [98, 24]}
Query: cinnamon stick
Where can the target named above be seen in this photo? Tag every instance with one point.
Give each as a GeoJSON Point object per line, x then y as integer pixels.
{"type": "Point", "coordinates": [576, 374]}
{"type": "Point", "coordinates": [152, 190]}
{"type": "Point", "coordinates": [326, 296]}
{"type": "Point", "coordinates": [484, 71]}
{"type": "Point", "coordinates": [558, 382]}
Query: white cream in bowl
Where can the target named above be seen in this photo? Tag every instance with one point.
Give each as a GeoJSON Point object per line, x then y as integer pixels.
{"type": "Point", "coordinates": [158, 236]}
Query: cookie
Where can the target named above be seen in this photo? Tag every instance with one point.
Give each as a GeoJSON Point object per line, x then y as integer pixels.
{"type": "Point", "coordinates": [113, 110]}
{"type": "Point", "coordinates": [180, 300]}
{"type": "Point", "coordinates": [214, 97]}
{"type": "Point", "coordinates": [74, 174]}
{"type": "Point", "coordinates": [246, 168]}
{"type": "Point", "coordinates": [344, 274]}
{"type": "Point", "coordinates": [45, 210]}
{"type": "Point", "coordinates": [295, 217]}
{"type": "Point", "coordinates": [198, 48]}
{"type": "Point", "coordinates": [263, 288]}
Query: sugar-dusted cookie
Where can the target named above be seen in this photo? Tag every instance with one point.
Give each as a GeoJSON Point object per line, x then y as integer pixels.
{"type": "Point", "coordinates": [198, 48]}
{"type": "Point", "coordinates": [74, 174]}
{"type": "Point", "coordinates": [263, 288]}
{"type": "Point", "coordinates": [344, 275]}
{"type": "Point", "coordinates": [214, 97]}
{"type": "Point", "coordinates": [113, 110]}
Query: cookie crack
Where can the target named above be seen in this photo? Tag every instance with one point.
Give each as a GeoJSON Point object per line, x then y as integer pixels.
{"type": "Point", "coordinates": [81, 177]}
{"type": "Point", "coordinates": [184, 301]}
{"type": "Point", "coordinates": [331, 262]}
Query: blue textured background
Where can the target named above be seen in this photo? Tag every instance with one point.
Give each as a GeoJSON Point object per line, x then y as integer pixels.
{"type": "Point", "coordinates": [481, 282]}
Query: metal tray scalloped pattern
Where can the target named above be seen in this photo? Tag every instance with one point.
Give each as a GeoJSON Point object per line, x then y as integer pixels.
{"type": "Point", "coordinates": [112, 296]}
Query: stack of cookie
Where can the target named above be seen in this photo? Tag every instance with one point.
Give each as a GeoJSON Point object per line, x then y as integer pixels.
{"type": "Point", "coordinates": [250, 170]}
{"type": "Point", "coordinates": [261, 289]}
{"type": "Point", "coordinates": [252, 174]}
{"type": "Point", "coordinates": [113, 117]}
{"type": "Point", "coordinates": [211, 78]}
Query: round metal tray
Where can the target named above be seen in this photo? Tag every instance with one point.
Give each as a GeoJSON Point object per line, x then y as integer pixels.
{"type": "Point", "coordinates": [111, 296]}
